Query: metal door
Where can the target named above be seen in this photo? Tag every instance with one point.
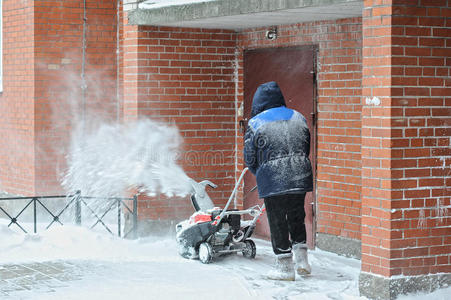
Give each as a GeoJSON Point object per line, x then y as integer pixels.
{"type": "Point", "coordinates": [294, 70]}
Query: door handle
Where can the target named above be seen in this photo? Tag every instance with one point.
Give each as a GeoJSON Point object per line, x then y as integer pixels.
{"type": "Point", "coordinates": [313, 115]}
{"type": "Point", "coordinates": [242, 124]}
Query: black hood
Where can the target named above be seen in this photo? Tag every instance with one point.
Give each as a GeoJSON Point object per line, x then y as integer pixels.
{"type": "Point", "coordinates": [268, 95]}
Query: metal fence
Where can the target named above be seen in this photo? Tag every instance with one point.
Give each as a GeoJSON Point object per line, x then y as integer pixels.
{"type": "Point", "coordinates": [76, 201]}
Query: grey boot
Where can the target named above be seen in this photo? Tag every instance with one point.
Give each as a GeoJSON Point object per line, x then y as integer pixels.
{"type": "Point", "coordinates": [301, 259]}
{"type": "Point", "coordinates": [284, 268]}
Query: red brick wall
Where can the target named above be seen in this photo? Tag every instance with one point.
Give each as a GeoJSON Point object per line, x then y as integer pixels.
{"type": "Point", "coordinates": [59, 97]}
{"type": "Point", "coordinates": [42, 85]}
{"type": "Point", "coordinates": [376, 143]}
{"type": "Point", "coordinates": [406, 152]}
{"type": "Point", "coordinates": [421, 137]}
{"type": "Point", "coordinates": [177, 77]}
{"type": "Point", "coordinates": [120, 58]}
{"type": "Point", "coordinates": [185, 77]}
{"type": "Point", "coordinates": [339, 107]}
{"type": "Point", "coordinates": [16, 102]}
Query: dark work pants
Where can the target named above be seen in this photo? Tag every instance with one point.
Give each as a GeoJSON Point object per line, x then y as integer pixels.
{"type": "Point", "coordinates": [286, 216]}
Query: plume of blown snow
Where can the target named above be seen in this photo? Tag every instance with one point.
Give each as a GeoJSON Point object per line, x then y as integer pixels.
{"type": "Point", "coordinates": [115, 158]}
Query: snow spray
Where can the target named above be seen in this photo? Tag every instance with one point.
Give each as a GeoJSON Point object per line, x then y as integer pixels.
{"type": "Point", "coordinates": [114, 158]}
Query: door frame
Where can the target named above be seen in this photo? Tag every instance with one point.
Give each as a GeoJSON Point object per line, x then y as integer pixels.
{"type": "Point", "coordinates": [314, 136]}
{"type": "Point", "coordinates": [315, 49]}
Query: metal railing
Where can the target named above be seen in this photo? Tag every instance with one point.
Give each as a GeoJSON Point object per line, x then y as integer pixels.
{"type": "Point", "coordinates": [77, 201]}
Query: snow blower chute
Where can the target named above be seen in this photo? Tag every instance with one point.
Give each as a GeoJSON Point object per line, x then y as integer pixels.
{"type": "Point", "coordinates": [211, 231]}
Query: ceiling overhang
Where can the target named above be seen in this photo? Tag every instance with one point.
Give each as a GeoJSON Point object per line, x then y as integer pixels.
{"type": "Point", "coordinates": [241, 14]}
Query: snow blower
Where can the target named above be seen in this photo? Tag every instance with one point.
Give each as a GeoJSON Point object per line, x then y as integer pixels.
{"type": "Point", "coordinates": [211, 232]}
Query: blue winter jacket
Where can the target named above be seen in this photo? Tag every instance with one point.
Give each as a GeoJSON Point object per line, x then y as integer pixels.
{"type": "Point", "coordinates": [277, 145]}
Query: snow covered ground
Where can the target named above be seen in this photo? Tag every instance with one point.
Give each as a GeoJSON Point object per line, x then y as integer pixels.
{"type": "Point", "coordinates": [99, 266]}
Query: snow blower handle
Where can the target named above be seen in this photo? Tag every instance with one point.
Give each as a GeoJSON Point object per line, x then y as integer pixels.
{"type": "Point", "coordinates": [256, 216]}
{"type": "Point", "coordinates": [219, 218]}
{"type": "Point", "coordinates": [209, 183]}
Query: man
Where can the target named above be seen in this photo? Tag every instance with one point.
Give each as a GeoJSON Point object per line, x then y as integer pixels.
{"type": "Point", "coordinates": [276, 150]}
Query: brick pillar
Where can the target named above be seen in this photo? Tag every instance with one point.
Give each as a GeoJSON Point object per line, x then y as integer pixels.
{"type": "Point", "coordinates": [17, 155]}
{"type": "Point", "coordinates": [406, 156]}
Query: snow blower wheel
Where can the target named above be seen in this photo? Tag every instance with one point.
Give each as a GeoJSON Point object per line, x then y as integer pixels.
{"type": "Point", "coordinates": [249, 249]}
{"type": "Point", "coordinates": [205, 253]}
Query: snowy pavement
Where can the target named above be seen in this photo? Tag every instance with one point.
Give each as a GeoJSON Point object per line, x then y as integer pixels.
{"type": "Point", "coordinates": [74, 263]}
